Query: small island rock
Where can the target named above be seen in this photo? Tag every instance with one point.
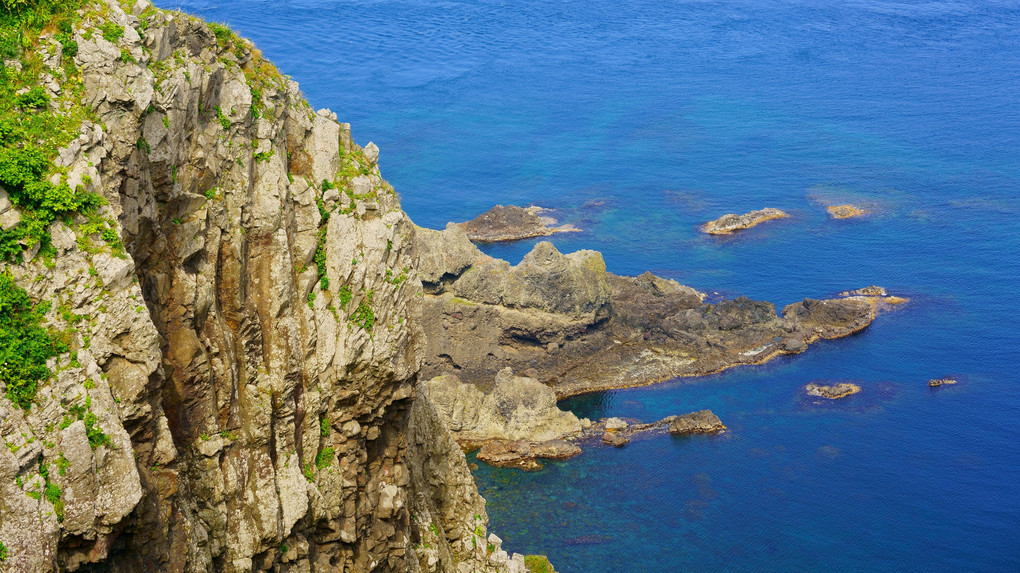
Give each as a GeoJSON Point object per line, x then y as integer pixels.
{"type": "Point", "coordinates": [511, 223]}
{"type": "Point", "coordinates": [730, 222]}
{"type": "Point", "coordinates": [844, 211]}
{"type": "Point", "coordinates": [833, 392]}
{"type": "Point", "coordinates": [703, 422]}
{"type": "Point", "coordinates": [936, 382]}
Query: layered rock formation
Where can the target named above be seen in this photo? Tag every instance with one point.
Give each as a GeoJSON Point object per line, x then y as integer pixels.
{"type": "Point", "coordinates": [575, 327]}
{"type": "Point", "coordinates": [239, 388]}
{"type": "Point", "coordinates": [730, 222]}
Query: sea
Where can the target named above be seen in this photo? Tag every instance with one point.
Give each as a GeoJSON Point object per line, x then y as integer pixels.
{"type": "Point", "coordinates": [638, 120]}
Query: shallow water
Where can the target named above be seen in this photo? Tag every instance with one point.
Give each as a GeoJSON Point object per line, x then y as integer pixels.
{"type": "Point", "coordinates": [638, 121]}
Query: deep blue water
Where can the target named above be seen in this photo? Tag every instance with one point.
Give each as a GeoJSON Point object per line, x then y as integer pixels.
{"type": "Point", "coordinates": [639, 120]}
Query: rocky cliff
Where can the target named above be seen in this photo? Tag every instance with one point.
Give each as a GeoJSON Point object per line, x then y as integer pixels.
{"type": "Point", "coordinates": [240, 323]}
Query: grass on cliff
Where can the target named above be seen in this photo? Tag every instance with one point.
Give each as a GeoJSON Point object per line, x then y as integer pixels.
{"type": "Point", "coordinates": [25, 345]}
{"type": "Point", "coordinates": [538, 564]}
{"type": "Point", "coordinates": [33, 128]}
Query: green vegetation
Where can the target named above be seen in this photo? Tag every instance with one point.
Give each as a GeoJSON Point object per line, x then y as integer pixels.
{"type": "Point", "coordinates": [111, 32]}
{"type": "Point", "coordinates": [223, 119]}
{"type": "Point", "coordinates": [94, 433]}
{"type": "Point", "coordinates": [345, 296]}
{"type": "Point", "coordinates": [320, 259]}
{"type": "Point", "coordinates": [364, 316]}
{"type": "Point", "coordinates": [324, 426]}
{"type": "Point", "coordinates": [24, 344]}
{"type": "Point", "coordinates": [3, 548]}
{"type": "Point", "coordinates": [50, 490]}
{"type": "Point", "coordinates": [538, 564]}
{"type": "Point", "coordinates": [31, 132]}
{"type": "Point", "coordinates": [324, 459]}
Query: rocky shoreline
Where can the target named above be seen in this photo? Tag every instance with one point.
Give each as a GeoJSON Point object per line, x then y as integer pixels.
{"type": "Point", "coordinates": [576, 328]}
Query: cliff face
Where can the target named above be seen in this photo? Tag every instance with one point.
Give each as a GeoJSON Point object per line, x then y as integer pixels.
{"type": "Point", "coordinates": [251, 356]}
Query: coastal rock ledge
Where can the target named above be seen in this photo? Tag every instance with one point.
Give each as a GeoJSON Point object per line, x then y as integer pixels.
{"type": "Point", "coordinates": [729, 223]}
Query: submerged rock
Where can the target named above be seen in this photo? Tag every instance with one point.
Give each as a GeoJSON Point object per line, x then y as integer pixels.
{"type": "Point", "coordinates": [511, 223]}
{"type": "Point", "coordinates": [730, 222]}
{"type": "Point", "coordinates": [844, 211]}
{"type": "Point", "coordinates": [833, 392]}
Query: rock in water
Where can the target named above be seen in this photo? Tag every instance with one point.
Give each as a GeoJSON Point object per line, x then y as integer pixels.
{"type": "Point", "coordinates": [730, 222]}
{"type": "Point", "coordinates": [615, 439]}
{"type": "Point", "coordinates": [833, 392]}
{"type": "Point", "coordinates": [936, 382]}
{"type": "Point", "coordinates": [703, 422]}
{"type": "Point", "coordinates": [844, 211]}
{"type": "Point", "coordinates": [511, 223]}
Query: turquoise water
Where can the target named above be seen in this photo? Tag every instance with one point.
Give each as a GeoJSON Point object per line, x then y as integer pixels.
{"type": "Point", "coordinates": [640, 120]}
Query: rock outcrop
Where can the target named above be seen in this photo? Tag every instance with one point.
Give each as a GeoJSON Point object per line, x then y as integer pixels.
{"type": "Point", "coordinates": [238, 391]}
{"type": "Point", "coordinates": [844, 211]}
{"type": "Point", "coordinates": [512, 223]}
{"type": "Point", "coordinates": [565, 321]}
{"type": "Point", "coordinates": [730, 222]}
{"type": "Point", "coordinates": [832, 392]}
{"type": "Point", "coordinates": [703, 422]}
{"type": "Point", "coordinates": [515, 408]}
{"type": "Point", "coordinates": [936, 382]}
